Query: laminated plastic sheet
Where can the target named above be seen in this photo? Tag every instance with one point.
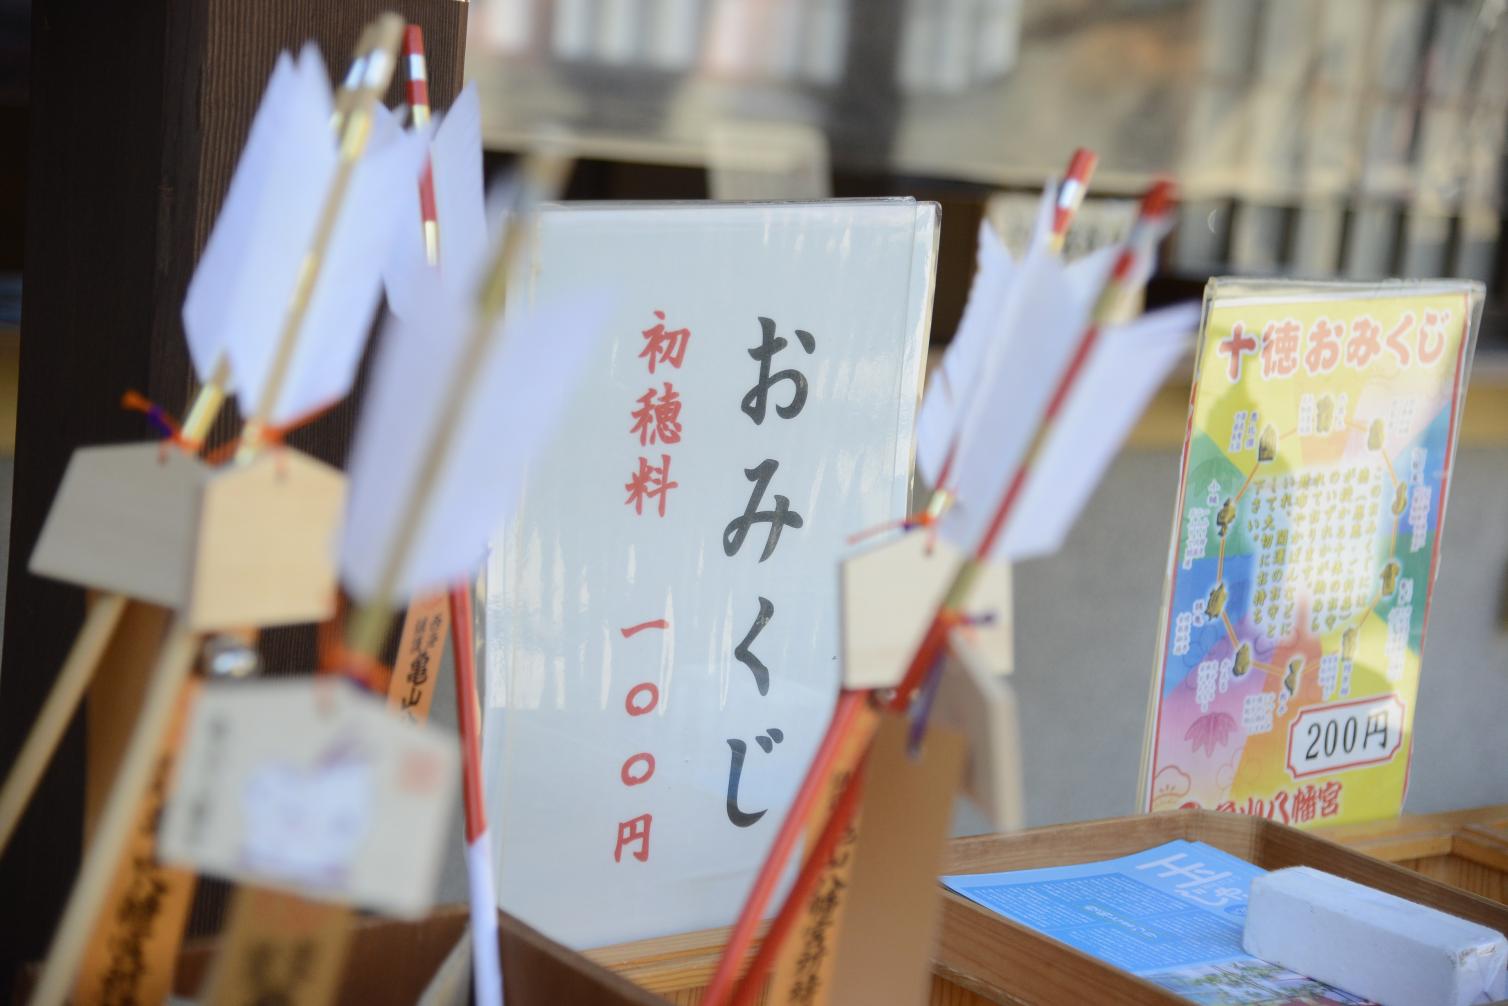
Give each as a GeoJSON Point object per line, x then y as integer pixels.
{"type": "Point", "coordinates": [660, 669]}
{"type": "Point", "coordinates": [1306, 540]}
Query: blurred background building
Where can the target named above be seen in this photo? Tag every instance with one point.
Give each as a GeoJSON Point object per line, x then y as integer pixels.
{"type": "Point", "coordinates": [1348, 139]}
{"type": "Point", "coordinates": [1334, 139]}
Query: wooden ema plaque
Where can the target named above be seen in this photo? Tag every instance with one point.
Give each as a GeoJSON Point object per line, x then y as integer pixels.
{"type": "Point", "coordinates": [228, 547]}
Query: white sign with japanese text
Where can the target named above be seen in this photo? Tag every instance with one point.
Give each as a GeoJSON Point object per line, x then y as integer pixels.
{"type": "Point", "coordinates": [662, 622]}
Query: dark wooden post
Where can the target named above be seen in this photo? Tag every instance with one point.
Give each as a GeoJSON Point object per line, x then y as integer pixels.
{"type": "Point", "coordinates": [138, 112]}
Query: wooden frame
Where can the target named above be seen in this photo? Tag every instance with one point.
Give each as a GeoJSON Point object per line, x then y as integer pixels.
{"type": "Point", "coordinates": [1463, 848]}
{"type": "Point", "coordinates": [392, 961]}
{"type": "Point", "coordinates": [993, 960]}
{"type": "Point", "coordinates": [984, 959]}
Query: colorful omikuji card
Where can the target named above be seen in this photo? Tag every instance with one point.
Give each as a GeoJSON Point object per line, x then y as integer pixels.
{"type": "Point", "coordinates": [663, 625]}
{"type": "Point", "coordinates": [310, 785]}
{"type": "Point", "coordinates": [1307, 537]}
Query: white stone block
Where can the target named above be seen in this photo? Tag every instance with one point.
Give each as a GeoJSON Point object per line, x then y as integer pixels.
{"type": "Point", "coordinates": [1372, 944]}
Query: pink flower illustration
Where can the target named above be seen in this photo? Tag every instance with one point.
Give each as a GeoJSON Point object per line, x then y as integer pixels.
{"type": "Point", "coordinates": [1209, 731]}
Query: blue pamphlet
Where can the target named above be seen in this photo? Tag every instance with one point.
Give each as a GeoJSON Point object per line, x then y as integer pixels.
{"type": "Point", "coordinates": [1172, 915]}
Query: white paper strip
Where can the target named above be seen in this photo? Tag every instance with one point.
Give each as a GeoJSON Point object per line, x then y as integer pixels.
{"type": "Point", "coordinates": [527, 373]}
{"type": "Point", "coordinates": [456, 154]}
{"type": "Point", "coordinates": [406, 257]}
{"type": "Point", "coordinates": [1039, 329]}
{"type": "Point", "coordinates": [240, 289]}
{"type": "Point", "coordinates": [238, 301]}
{"type": "Point", "coordinates": [456, 159]}
{"type": "Point", "coordinates": [960, 366]}
{"type": "Point", "coordinates": [1127, 366]}
{"type": "Point", "coordinates": [982, 346]}
{"type": "Point", "coordinates": [487, 971]}
{"type": "Point", "coordinates": [348, 291]}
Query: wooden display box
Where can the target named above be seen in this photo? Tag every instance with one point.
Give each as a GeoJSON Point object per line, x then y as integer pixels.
{"type": "Point", "coordinates": [986, 959]}
{"type": "Point", "coordinates": [983, 959]}
{"type": "Point", "coordinates": [392, 962]}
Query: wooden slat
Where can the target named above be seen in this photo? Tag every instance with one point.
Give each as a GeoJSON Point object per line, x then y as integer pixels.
{"type": "Point", "coordinates": [1482, 846]}
{"type": "Point", "coordinates": [945, 993]}
{"type": "Point", "coordinates": [1379, 838]}
{"type": "Point", "coordinates": [677, 967]}
{"type": "Point", "coordinates": [391, 961]}
{"type": "Point", "coordinates": [1467, 849]}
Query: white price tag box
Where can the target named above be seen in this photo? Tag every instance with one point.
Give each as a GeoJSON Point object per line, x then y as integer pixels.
{"type": "Point", "coordinates": [1345, 735]}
